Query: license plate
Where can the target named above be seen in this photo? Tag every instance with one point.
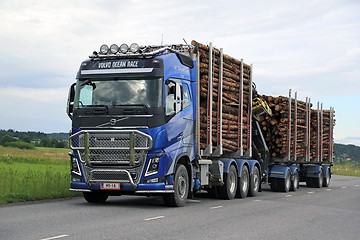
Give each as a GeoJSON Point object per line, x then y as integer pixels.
{"type": "Point", "coordinates": [109, 185]}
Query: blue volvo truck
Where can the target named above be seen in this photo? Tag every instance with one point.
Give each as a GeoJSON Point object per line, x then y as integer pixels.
{"type": "Point", "coordinates": [136, 116]}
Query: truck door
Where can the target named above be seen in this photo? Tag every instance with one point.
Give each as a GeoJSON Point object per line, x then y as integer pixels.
{"type": "Point", "coordinates": [179, 106]}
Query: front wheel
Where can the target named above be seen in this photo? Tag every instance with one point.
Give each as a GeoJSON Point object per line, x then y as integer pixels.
{"type": "Point", "coordinates": [181, 188]}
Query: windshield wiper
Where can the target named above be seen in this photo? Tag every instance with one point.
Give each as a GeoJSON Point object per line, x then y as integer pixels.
{"type": "Point", "coordinates": [131, 107]}
{"type": "Point", "coordinates": [97, 109]}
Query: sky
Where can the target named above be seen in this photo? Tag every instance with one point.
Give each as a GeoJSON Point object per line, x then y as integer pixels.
{"type": "Point", "coordinates": [312, 47]}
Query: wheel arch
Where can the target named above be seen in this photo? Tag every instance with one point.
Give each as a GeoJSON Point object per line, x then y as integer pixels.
{"type": "Point", "coordinates": [185, 160]}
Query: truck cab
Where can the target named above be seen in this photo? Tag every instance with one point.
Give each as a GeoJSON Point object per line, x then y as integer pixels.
{"type": "Point", "coordinates": [133, 114]}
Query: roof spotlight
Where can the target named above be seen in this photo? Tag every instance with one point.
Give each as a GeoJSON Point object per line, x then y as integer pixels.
{"type": "Point", "coordinates": [124, 48]}
{"type": "Point", "coordinates": [114, 48]}
{"type": "Point", "coordinates": [134, 47]}
{"type": "Point", "coordinates": [104, 49]}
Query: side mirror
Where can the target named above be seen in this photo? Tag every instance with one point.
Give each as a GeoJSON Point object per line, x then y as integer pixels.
{"type": "Point", "coordinates": [70, 101]}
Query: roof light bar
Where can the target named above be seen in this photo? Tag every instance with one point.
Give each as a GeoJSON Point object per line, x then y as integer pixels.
{"type": "Point", "coordinates": [104, 49]}
{"type": "Point", "coordinates": [124, 48]}
{"type": "Point", "coordinates": [134, 47]}
{"type": "Point", "coordinates": [114, 48]}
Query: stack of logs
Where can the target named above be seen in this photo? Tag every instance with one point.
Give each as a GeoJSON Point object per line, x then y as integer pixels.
{"type": "Point", "coordinates": [325, 134]}
{"type": "Point", "coordinates": [275, 129]}
{"type": "Point", "coordinates": [230, 98]}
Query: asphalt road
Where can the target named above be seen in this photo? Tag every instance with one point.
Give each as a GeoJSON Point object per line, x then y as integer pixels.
{"type": "Point", "coordinates": [309, 213]}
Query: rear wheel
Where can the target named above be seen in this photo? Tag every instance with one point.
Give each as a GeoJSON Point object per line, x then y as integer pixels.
{"type": "Point", "coordinates": [318, 182]}
{"type": "Point", "coordinates": [95, 197]}
{"type": "Point", "coordinates": [295, 182]}
{"type": "Point", "coordinates": [228, 191]}
{"type": "Point", "coordinates": [284, 184]}
{"type": "Point", "coordinates": [181, 188]}
{"type": "Point", "coordinates": [326, 182]}
{"type": "Point", "coordinates": [243, 186]}
{"type": "Point", "coordinates": [274, 184]}
{"type": "Point", "coordinates": [255, 182]}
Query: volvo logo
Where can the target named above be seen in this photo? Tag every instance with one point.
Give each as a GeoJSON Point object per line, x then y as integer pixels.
{"type": "Point", "coordinates": [113, 122]}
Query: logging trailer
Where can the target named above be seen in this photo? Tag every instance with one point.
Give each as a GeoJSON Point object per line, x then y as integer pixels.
{"type": "Point", "coordinates": [180, 119]}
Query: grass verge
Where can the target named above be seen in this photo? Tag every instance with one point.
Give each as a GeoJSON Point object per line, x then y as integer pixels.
{"type": "Point", "coordinates": [34, 174]}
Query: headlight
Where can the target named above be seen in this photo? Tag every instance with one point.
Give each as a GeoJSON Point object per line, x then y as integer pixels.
{"type": "Point", "coordinates": [124, 48]}
{"type": "Point", "coordinates": [104, 49]}
{"type": "Point", "coordinates": [114, 48]}
{"type": "Point", "coordinates": [153, 166]}
{"type": "Point", "coordinates": [74, 165]}
{"type": "Point", "coordinates": [134, 48]}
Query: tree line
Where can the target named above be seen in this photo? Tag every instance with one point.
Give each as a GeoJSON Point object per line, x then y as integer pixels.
{"type": "Point", "coordinates": [30, 139]}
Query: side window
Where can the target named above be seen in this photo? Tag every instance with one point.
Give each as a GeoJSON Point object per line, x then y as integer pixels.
{"type": "Point", "coordinates": [86, 95]}
{"type": "Point", "coordinates": [170, 98]}
{"type": "Point", "coordinates": [186, 96]}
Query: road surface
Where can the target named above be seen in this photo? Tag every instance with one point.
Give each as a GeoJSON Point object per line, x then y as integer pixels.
{"type": "Point", "coordinates": [309, 213]}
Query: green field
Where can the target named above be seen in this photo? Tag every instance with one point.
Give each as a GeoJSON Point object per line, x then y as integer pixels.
{"type": "Point", "coordinates": [346, 169]}
{"type": "Point", "coordinates": [42, 173]}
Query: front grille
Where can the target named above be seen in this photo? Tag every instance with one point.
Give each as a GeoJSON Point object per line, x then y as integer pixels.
{"type": "Point", "coordinates": [111, 175]}
{"type": "Point", "coordinates": [112, 147]}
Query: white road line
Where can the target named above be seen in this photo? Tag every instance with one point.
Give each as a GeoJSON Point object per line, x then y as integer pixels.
{"type": "Point", "coordinates": [257, 200]}
{"type": "Point", "coordinates": [343, 187]}
{"type": "Point", "coordinates": [216, 207]}
{"type": "Point", "coordinates": [356, 185]}
{"type": "Point", "coordinates": [329, 189]}
{"type": "Point", "coordinates": [153, 218]}
{"type": "Point", "coordinates": [288, 195]}
{"type": "Point", "coordinates": [310, 192]}
{"type": "Point", "coordinates": [56, 237]}
{"type": "Point", "coordinates": [193, 200]}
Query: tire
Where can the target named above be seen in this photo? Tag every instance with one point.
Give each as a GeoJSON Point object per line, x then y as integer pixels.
{"type": "Point", "coordinates": [213, 192]}
{"type": "Point", "coordinates": [255, 181]}
{"type": "Point", "coordinates": [318, 182]}
{"type": "Point", "coordinates": [326, 181]}
{"type": "Point", "coordinates": [181, 188]}
{"type": "Point", "coordinates": [274, 184]}
{"type": "Point", "coordinates": [95, 197]}
{"type": "Point", "coordinates": [243, 185]}
{"type": "Point", "coordinates": [295, 182]}
{"type": "Point", "coordinates": [285, 184]}
{"type": "Point", "coordinates": [228, 191]}
{"type": "Point", "coordinates": [309, 182]}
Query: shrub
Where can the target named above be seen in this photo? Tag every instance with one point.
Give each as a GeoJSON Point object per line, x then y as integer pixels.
{"type": "Point", "coordinates": [21, 145]}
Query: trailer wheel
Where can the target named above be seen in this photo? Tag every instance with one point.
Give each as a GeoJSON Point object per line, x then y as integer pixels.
{"type": "Point", "coordinates": [255, 182]}
{"type": "Point", "coordinates": [309, 182]}
{"type": "Point", "coordinates": [181, 188]}
{"type": "Point", "coordinates": [295, 182]}
{"type": "Point", "coordinates": [274, 184]}
{"type": "Point", "coordinates": [243, 186]}
{"type": "Point", "coordinates": [95, 197]}
{"type": "Point", "coordinates": [228, 191]}
{"type": "Point", "coordinates": [318, 182]}
{"type": "Point", "coordinates": [326, 181]}
{"type": "Point", "coordinates": [284, 184]}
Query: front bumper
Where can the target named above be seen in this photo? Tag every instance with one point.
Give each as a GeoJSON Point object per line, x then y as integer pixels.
{"type": "Point", "coordinates": [147, 188]}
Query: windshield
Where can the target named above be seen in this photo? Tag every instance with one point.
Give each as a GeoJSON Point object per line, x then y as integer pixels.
{"type": "Point", "coordinates": [119, 93]}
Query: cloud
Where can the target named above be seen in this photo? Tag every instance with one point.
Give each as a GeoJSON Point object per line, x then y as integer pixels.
{"type": "Point", "coordinates": [309, 46]}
